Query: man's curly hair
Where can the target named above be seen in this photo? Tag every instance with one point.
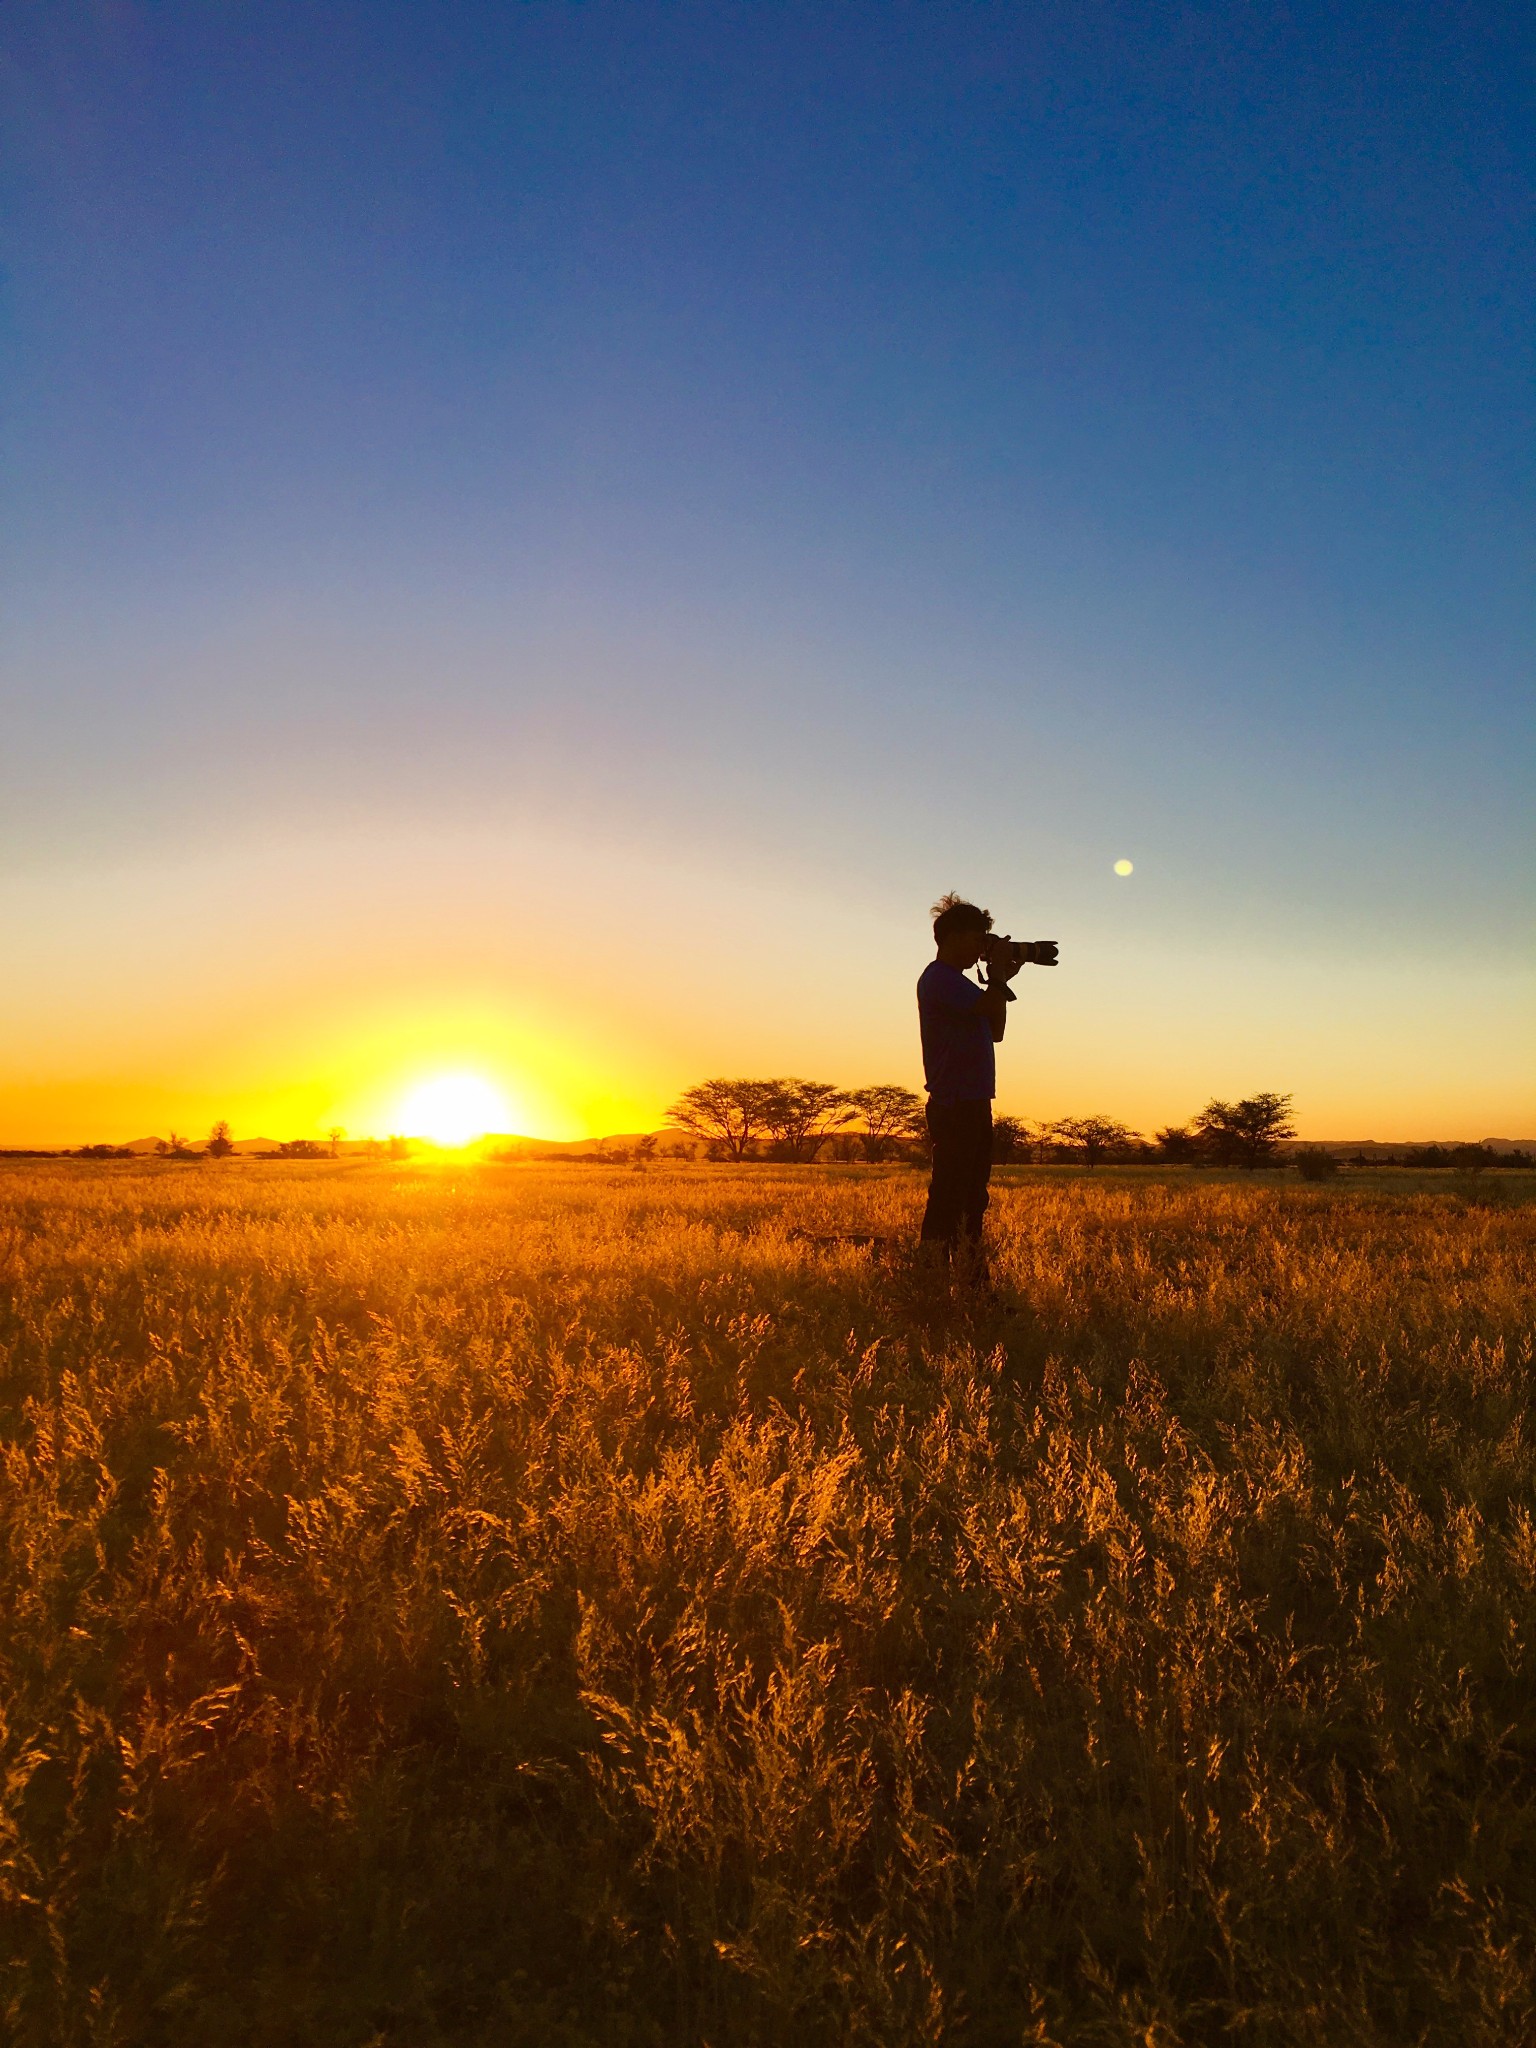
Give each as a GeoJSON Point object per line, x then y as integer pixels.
{"type": "Point", "coordinates": [952, 914]}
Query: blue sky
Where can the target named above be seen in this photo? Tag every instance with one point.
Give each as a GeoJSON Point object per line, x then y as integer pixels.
{"type": "Point", "coordinates": [806, 458]}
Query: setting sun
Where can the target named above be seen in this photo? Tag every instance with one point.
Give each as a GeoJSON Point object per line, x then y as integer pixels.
{"type": "Point", "coordinates": [453, 1109]}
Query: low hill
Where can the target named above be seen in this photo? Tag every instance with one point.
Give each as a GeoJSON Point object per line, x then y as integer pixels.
{"type": "Point", "coordinates": [507, 1144]}
{"type": "Point", "coordinates": [1372, 1148]}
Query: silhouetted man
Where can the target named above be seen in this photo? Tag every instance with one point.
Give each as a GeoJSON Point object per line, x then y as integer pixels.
{"type": "Point", "coordinates": [961, 1024]}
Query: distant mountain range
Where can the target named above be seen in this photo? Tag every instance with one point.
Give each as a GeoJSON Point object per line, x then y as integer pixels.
{"type": "Point", "coordinates": [1371, 1146]}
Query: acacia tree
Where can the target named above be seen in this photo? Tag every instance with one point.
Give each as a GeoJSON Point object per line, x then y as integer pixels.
{"type": "Point", "coordinates": [800, 1116]}
{"type": "Point", "coordinates": [1093, 1136]}
{"type": "Point", "coordinates": [220, 1143]}
{"type": "Point", "coordinates": [1245, 1133]}
{"type": "Point", "coordinates": [727, 1115]}
{"type": "Point", "coordinates": [1178, 1144]}
{"type": "Point", "coordinates": [334, 1137]}
{"type": "Point", "coordinates": [888, 1114]}
{"type": "Point", "coordinates": [1012, 1140]}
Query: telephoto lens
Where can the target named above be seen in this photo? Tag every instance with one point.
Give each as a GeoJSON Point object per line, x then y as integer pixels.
{"type": "Point", "coordinates": [1009, 955]}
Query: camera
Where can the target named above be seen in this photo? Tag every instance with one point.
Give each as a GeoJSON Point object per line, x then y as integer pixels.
{"type": "Point", "coordinates": [1003, 957]}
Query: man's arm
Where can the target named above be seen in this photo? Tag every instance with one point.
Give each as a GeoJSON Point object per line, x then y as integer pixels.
{"type": "Point", "coordinates": [995, 998]}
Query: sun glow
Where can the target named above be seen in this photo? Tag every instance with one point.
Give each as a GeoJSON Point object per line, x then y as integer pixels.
{"type": "Point", "coordinates": [453, 1109]}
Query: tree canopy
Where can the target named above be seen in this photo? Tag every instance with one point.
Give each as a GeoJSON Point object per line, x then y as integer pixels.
{"type": "Point", "coordinates": [888, 1114]}
{"type": "Point", "coordinates": [1245, 1133]}
{"type": "Point", "coordinates": [1092, 1136]}
{"type": "Point", "coordinates": [801, 1115]}
{"type": "Point", "coordinates": [727, 1114]}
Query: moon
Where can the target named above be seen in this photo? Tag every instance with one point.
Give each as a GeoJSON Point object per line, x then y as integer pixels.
{"type": "Point", "coordinates": [1125, 867]}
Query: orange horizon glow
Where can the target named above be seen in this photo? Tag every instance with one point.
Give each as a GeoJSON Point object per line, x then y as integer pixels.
{"type": "Point", "coordinates": [544, 1094]}
{"type": "Point", "coordinates": [335, 976]}
{"type": "Point", "coordinates": [453, 1105]}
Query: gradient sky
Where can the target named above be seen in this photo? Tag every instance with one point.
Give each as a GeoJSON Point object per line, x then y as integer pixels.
{"type": "Point", "coordinates": [539, 538]}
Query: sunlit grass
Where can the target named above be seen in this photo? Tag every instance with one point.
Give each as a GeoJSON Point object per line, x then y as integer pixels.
{"type": "Point", "coordinates": [522, 1605]}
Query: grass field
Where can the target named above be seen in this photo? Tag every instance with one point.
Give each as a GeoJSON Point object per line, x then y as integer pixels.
{"type": "Point", "coordinates": [548, 1605]}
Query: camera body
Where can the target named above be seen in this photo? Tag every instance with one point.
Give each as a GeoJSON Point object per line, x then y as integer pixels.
{"type": "Point", "coordinates": [1003, 957]}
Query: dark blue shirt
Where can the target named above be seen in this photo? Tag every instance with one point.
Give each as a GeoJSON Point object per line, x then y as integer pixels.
{"type": "Point", "coordinates": [959, 1063]}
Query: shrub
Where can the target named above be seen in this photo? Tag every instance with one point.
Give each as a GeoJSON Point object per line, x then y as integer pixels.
{"type": "Point", "coordinates": [1315, 1162]}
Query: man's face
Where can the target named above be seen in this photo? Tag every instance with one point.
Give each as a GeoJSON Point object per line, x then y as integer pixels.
{"type": "Point", "coordinates": [963, 949]}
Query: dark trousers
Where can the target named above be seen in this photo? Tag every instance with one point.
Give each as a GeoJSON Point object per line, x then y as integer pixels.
{"type": "Point", "coordinates": [961, 1136]}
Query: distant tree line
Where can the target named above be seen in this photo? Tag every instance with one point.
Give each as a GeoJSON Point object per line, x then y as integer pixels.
{"type": "Point", "coordinates": [220, 1144]}
{"type": "Point", "coordinates": [1462, 1158]}
{"type": "Point", "coordinates": [1247, 1134]}
{"type": "Point", "coordinates": [793, 1119]}
{"type": "Point", "coordinates": [787, 1118]}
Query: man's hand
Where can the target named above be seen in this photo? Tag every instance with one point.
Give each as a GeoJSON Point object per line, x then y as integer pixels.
{"type": "Point", "coordinates": [1000, 967]}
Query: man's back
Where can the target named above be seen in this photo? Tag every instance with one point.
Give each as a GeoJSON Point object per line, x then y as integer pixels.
{"type": "Point", "coordinates": [959, 1062]}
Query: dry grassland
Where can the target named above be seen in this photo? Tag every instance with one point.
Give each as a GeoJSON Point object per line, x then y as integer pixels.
{"type": "Point", "coordinates": [553, 1606]}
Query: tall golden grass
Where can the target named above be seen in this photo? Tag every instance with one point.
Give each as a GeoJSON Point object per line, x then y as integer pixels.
{"type": "Point", "coordinates": [540, 1605]}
